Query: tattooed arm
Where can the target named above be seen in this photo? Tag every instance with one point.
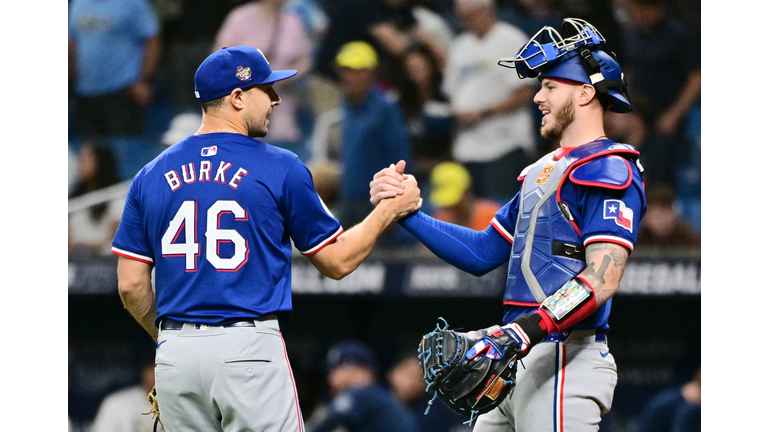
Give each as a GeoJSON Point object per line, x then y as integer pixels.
{"type": "Point", "coordinates": [605, 267]}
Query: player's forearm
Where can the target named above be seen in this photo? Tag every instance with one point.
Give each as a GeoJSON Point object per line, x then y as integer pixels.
{"type": "Point", "coordinates": [138, 297]}
{"type": "Point", "coordinates": [143, 310]}
{"type": "Point", "coordinates": [605, 268]}
{"type": "Point", "coordinates": [140, 303]}
{"type": "Point", "coordinates": [343, 256]}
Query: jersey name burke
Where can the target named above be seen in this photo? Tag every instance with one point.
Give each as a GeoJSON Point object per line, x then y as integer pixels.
{"type": "Point", "coordinates": [203, 172]}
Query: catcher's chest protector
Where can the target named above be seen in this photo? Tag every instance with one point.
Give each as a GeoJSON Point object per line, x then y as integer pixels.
{"type": "Point", "coordinates": [547, 250]}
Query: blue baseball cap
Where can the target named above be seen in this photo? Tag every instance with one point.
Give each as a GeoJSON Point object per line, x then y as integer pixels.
{"type": "Point", "coordinates": [234, 67]}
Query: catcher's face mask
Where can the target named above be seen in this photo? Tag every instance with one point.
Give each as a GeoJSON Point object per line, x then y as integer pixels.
{"type": "Point", "coordinates": [581, 57]}
{"type": "Point", "coordinates": [547, 45]}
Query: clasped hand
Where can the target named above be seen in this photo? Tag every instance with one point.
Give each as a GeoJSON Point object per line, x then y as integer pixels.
{"type": "Point", "coordinates": [394, 188]}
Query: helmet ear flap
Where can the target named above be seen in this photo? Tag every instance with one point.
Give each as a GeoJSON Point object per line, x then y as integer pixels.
{"type": "Point", "coordinates": [612, 93]}
{"type": "Point", "coordinates": [605, 99]}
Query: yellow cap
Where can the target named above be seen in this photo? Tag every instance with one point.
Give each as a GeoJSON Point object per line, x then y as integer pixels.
{"type": "Point", "coordinates": [449, 182]}
{"type": "Point", "coordinates": [357, 55]}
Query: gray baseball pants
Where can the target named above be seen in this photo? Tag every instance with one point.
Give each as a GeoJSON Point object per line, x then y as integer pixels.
{"type": "Point", "coordinates": [228, 379]}
{"type": "Point", "coordinates": [565, 386]}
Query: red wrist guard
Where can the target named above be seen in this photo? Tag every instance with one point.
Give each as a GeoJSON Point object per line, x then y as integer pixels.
{"type": "Point", "coordinates": [573, 302]}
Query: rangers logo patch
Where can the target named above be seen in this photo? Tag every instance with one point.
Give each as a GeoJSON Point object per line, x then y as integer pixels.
{"type": "Point", "coordinates": [208, 151]}
{"type": "Point", "coordinates": [243, 73]}
{"type": "Point", "coordinates": [616, 210]}
{"type": "Point", "coordinates": [545, 173]}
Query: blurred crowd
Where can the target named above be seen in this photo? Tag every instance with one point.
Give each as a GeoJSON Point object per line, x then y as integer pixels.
{"type": "Point", "coordinates": [379, 81]}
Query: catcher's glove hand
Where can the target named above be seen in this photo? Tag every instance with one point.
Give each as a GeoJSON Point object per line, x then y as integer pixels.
{"type": "Point", "coordinates": [471, 372]}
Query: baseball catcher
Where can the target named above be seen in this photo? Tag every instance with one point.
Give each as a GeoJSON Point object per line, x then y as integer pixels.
{"type": "Point", "coordinates": [565, 238]}
{"type": "Point", "coordinates": [471, 372]}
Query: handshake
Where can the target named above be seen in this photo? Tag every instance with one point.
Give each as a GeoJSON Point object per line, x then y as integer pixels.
{"type": "Point", "coordinates": [398, 193]}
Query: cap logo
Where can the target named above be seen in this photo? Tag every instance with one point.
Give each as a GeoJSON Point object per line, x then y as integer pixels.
{"type": "Point", "coordinates": [243, 73]}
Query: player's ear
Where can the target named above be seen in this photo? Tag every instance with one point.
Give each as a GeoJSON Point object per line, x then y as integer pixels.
{"type": "Point", "coordinates": [236, 99]}
{"type": "Point", "coordinates": [586, 94]}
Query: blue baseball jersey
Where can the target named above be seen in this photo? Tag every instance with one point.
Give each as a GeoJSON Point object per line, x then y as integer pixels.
{"type": "Point", "coordinates": [215, 214]}
{"type": "Point", "coordinates": [599, 207]}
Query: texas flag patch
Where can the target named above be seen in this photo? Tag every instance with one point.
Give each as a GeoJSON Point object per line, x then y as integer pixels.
{"type": "Point", "coordinates": [616, 210]}
{"type": "Point", "coordinates": [208, 151]}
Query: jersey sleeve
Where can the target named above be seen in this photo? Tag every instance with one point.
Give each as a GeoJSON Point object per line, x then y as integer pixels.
{"type": "Point", "coordinates": [608, 215]}
{"type": "Point", "coordinates": [475, 252]}
{"type": "Point", "coordinates": [505, 219]}
{"type": "Point", "coordinates": [310, 224]}
{"type": "Point", "coordinates": [130, 239]}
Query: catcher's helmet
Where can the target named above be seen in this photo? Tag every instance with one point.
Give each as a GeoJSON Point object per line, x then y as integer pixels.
{"type": "Point", "coordinates": [582, 57]}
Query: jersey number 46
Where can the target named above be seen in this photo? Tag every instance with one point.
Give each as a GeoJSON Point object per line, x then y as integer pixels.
{"type": "Point", "coordinates": [185, 223]}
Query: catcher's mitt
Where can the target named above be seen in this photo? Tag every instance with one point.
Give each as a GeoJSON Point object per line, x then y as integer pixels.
{"type": "Point", "coordinates": [471, 372]}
